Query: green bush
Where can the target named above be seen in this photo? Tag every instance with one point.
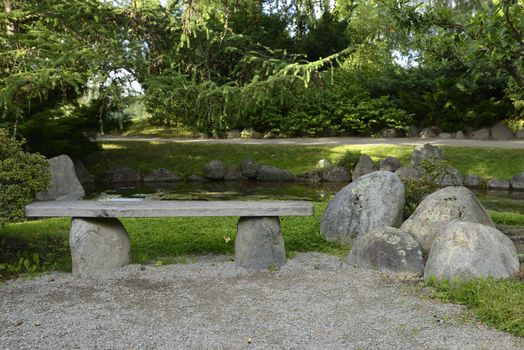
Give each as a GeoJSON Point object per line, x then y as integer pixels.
{"type": "Point", "coordinates": [22, 175]}
{"type": "Point", "coordinates": [417, 189]}
{"type": "Point", "coordinates": [349, 160]}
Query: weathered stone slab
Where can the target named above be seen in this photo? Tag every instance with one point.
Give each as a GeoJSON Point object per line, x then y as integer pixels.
{"type": "Point", "coordinates": [259, 244]}
{"type": "Point", "coordinates": [98, 245]}
{"type": "Point", "coordinates": [151, 208]}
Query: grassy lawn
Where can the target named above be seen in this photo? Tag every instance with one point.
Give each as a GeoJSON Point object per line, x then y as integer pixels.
{"type": "Point", "coordinates": [187, 159]}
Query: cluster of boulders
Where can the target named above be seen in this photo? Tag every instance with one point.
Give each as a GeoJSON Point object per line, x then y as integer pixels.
{"type": "Point", "coordinates": [449, 235]}
{"type": "Point", "coordinates": [497, 132]}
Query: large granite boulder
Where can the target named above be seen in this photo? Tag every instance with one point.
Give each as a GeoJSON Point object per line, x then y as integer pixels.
{"type": "Point", "coordinates": [517, 181]}
{"type": "Point", "coordinates": [337, 174]}
{"type": "Point", "coordinates": [64, 182]}
{"type": "Point", "coordinates": [364, 166]}
{"type": "Point", "coordinates": [215, 170]}
{"type": "Point", "coordinates": [387, 249]}
{"type": "Point", "coordinates": [389, 164]}
{"type": "Point", "coordinates": [439, 208]}
{"type": "Point", "coordinates": [271, 173]}
{"type": "Point", "coordinates": [500, 131]}
{"type": "Point", "coordinates": [426, 152]}
{"type": "Point", "coordinates": [466, 250]}
{"type": "Point", "coordinates": [249, 168]}
{"type": "Point", "coordinates": [374, 200]}
{"type": "Point", "coordinates": [161, 175]}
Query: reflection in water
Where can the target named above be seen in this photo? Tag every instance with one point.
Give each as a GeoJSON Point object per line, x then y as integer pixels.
{"type": "Point", "coordinates": [252, 190]}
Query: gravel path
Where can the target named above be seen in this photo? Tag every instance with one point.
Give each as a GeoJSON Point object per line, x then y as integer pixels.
{"type": "Point", "coordinates": [311, 303]}
{"type": "Point", "coordinates": [331, 141]}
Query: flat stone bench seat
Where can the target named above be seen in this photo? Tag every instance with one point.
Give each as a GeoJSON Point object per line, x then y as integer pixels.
{"type": "Point", "coordinates": [156, 209]}
{"type": "Point", "coordinates": [99, 242]}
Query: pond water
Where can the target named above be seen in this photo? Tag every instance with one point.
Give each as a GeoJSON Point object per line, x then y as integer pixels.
{"type": "Point", "coordinates": [512, 201]}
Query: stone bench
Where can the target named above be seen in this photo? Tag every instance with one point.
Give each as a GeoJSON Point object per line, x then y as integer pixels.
{"type": "Point", "coordinates": [99, 241]}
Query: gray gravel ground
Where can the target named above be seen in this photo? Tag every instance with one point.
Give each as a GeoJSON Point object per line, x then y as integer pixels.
{"type": "Point", "coordinates": [311, 303]}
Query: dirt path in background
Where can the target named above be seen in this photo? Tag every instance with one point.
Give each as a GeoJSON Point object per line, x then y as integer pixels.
{"type": "Point", "coordinates": [332, 141]}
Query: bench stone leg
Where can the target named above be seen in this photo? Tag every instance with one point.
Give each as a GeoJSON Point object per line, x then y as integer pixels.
{"type": "Point", "coordinates": [98, 245]}
{"type": "Point", "coordinates": [259, 243]}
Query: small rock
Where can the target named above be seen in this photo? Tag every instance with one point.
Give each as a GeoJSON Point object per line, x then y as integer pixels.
{"type": "Point", "coordinates": [389, 164]}
{"type": "Point", "coordinates": [233, 174]}
{"type": "Point", "coordinates": [453, 177]}
{"type": "Point", "coordinates": [249, 168]}
{"type": "Point", "coordinates": [427, 152]}
{"type": "Point", "coordinates": [409, 172]}
{"type": "Point", "coordinates": [413, 131]}
{"type": "Point", "coordinates": [364, 166]}
{"type": "Point", "coordinates": [472, 181]}
{"type": "Point", "coordinates": [496, 184]}
{"type": "Point", "coordinates": [337, 174]}
{"type": "Point", "coordinates": [270, 173]}
{"type": "Point", "coordinates": [501, 132]}
{"type": "Point", "coordinates": [460, 135]}
{"type": "Point", "coordinates": [195, 178]}
{"type": "Point", "coordinates": [125, 176]}
{"type": "Point", "coordinates": [323, 165]}
{"type": "Point", "coordinates": [392, 133]}
{"type": "Point", "coordinates": [19, 323]}
{"type": "Point", "coordinates": [445, 135]}
{"type": "Point", "coordinates": [427, 133]}
{"type": "Point", "coordinates": [161, 175]}
{"type": "Point", "coordinates": [38, 323]}
{"type": "Point", "coordinates": [233, 134]}
{"type": "Point", "coordinates": [481, 134]}
{"type": "Point", "coordinates": [215, 170]}
{"type": "Point", "coordinates": [312, 176]}
{"type": "Point", "coordinates": [517, 181]}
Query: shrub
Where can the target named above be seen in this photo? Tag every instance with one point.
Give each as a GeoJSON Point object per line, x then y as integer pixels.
{"type": "Point", "coordinates": [417, 189]}
{"type": "Point", "coordinates": [349, 160]}
{"type": "Point", "coordinates": [22, 175]}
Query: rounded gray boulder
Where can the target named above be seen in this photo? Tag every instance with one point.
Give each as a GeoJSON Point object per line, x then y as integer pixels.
{"type": "Point", "coordinates": [439, 208]}
{"type": "Point", "coordinates": [364, 166]}
{"type": "Point", "coordinates": [215, 170]}
{"type": "Point", "coordinates": [466, 250]}
{"type": "Point", "coordinates": [387, 249]}
{"type": "Point", "coordinates": [374, 200]}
